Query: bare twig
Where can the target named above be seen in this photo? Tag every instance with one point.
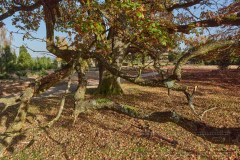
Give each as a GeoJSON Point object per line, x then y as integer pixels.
{"type": "Point", "coordinates": [204, 112]}
{"type": "Point", "coordinates": [190, 100]}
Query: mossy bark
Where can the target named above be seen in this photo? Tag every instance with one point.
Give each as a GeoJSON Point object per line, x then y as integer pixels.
{"type": "Point", "coordinates": [109, 84]}
{"type": "Point", "coordinates": [79, 95]}
{"type": "Point", "coordinates": [221, 135]}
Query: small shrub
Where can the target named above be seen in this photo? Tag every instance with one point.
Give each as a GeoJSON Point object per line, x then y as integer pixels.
{"type": "Point", "coordinates": [224, 63]}
{"type": "Point", "coordinates": [21, 74]}
{"type": "Point", "coordinates": [42, 73]}
{"type": "Point", "coordinates": [4, 75]}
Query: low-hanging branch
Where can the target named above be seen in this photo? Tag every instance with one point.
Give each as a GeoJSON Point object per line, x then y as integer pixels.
{"type": "Point", "coordinates": [169, 83]}
{"type": "Point", "coordinates": [200, 50]}
{"type": "Point", "coordinates": [15, 128]}
{"type": "Point", "coordinates": [33, 90]}
{"type": "Point", "coordinates": [40, 85]}
{"type": "Point", "coordinates": [212, 134]}
{"type": "Point", "coordinates": [52, 79]}
{"type": "Point", "coordinates": [166, 83]}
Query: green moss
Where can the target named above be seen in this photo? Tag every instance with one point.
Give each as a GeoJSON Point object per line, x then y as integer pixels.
{"type": "Point", "coordinates": [102, 100]}
{"type": "Point", "coordinates": [25, 155]}
{"type": "Point", "coordinates": [109, 86]}
{"type": "Point", "coordinates": [169, 83]}
{"type": "Point", "coordinates": [141, 150]}
{"type": "Point", "coordinates": [130, 107]}
{"type": "Point", "coordinates": [130, 110]}
{"type": "Point", "coordinates": [233, 17]}
{"type": "Point", "coordinates": [33, 109]}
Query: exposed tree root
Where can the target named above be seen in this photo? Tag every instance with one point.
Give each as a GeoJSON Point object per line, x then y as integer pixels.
{"type": "Point", "coordinates": [200, 129]}
{"type": "Point", "coordinates": [212, 134]}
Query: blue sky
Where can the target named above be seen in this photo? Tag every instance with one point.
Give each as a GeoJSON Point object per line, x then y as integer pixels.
{"type": "Point", "coordinates": [35, 45]}
{"type": "Point", "coordinates": [18, 39]}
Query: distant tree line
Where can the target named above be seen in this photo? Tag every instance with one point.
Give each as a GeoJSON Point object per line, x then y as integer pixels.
{"type": "Point", "coordinates": [10, 63]}
{"type": "Point", "coordinates": [221, 60]}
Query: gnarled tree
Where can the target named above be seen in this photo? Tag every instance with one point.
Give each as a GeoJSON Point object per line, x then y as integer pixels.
{"type": "Point", "coordinates": [109, 31]}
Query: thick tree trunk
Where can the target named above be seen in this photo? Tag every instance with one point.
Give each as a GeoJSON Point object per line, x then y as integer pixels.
{"type": "Point", "coordinates": [108, 83]}
{"type": "Point", "coordinates": [101, 70]}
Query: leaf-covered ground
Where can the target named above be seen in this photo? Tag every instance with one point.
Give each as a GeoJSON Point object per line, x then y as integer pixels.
{"type": "Point", "coordinates": [113, 136]}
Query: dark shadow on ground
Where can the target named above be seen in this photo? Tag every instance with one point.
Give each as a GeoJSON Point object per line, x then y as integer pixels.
{"type": "Point", "coordinates": [222, 78]}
